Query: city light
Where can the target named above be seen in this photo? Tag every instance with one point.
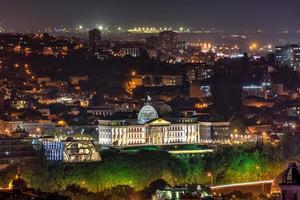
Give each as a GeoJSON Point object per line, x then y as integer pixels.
{"type": "Point", "coordinates": [253, 46]}
{"type": "Point", "coordinates": [100, 27]}
{"type": "Point", "coordinates": [133, 73]}
{"type": "Point", "coordinates": [129, 101]}
{"type": "Point", "coordinates": [210, 175]}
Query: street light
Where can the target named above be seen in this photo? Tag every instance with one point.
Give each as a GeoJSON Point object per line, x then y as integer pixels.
{"type": "Point", "coordinates": [38, 130]}
{"type": "Point", "coordinates": [100, 27]}
{"type": "Point", "coordinates": [260, 177]}
{"type": "Point", "coordinates": [133, 73]}
{"type": "Point", "coordinates": [210, 175]}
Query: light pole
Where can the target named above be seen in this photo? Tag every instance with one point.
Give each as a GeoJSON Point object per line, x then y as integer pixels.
{"type": "Point", "coordinates": [259, 171]}
{"type": "Point", "coordinates": [258, 168]}
{"type": "Point", "coordinates": [210, 175]}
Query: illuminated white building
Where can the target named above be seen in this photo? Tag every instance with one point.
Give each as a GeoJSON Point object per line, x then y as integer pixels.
{"type": "Point", "coordinates": [134, 52]}
{"type": "Point", "coordinates": [149, 129]}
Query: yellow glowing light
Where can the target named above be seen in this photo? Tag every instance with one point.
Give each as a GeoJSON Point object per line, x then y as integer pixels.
{"type": "Point", "coordinates": [201, 105]}
{"type": "Point", "coordinates": [61, 123]}
{"type": "Point", "coordinates": [253, 46]}
{"type": "Point", "coordinates": [133, 73]}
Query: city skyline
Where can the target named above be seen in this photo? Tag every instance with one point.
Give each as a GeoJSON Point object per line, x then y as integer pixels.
{"type": "Point", "coordinates": [150, 99]}
{"type": "Point", "coordinates": [230, 15]}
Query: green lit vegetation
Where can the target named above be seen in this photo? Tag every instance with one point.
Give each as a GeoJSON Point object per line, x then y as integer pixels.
{"type": "Point", "coordinates": [137, 170]}
{"type": "Point", "coordinates": [165, 148]}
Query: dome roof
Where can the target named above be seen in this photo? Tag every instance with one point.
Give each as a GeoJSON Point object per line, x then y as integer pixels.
{"type": "Point", "coordinates": [146, 114]}
{"type": "Point", "coordinates": [291, 175]}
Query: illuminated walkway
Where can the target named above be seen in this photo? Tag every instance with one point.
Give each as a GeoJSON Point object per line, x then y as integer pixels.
{"type": "Point", "coordinates": [254, 187]}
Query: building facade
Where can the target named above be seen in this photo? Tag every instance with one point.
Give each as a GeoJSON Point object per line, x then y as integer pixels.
{"type": "Point", "coordinates": [198, 72]}
{"type": "Point", "coordinates": [134, 52]}
{"type": "Point", "coordinates": [94, 38]}
{"type": "Point", "coordinates": [288, 55]}
{"type": "Point", "coordinates": [70, 150]}
{"type": "Point", "coordinates": [200, 90]}
{"type": "Point", "coordinates": [151, 80]}
{"type": "Point", "coordinates": [149, 129]}
{"type": "Point", "coordinates": [168, 41]}
{"type": "Point", "coordinates": [17, 150]}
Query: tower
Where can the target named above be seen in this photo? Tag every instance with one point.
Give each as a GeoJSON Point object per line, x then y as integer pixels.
{"type": "Point", "coordinates": [94, 38]}
{"type": "Point", "coordinates": [290, 183]}
{"type": "Point", "coordinates": [168, 41]}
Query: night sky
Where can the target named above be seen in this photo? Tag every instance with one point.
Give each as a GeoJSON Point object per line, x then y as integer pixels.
{"type": "Point", "coordinates": [270, 15]}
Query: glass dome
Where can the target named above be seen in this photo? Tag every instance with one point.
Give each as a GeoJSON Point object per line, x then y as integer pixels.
{"type": "Point", "coordinates": [146, 114]}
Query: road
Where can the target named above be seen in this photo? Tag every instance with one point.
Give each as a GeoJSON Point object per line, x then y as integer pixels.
{"type": "Point", "coordinates": [258, 187]}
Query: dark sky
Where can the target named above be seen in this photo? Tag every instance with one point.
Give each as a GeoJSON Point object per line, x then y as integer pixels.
{"type": "Point", "coordinates": [222, 14]}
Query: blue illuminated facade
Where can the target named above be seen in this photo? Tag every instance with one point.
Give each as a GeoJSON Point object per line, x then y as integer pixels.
{"type": "Point", "coordinates": [54, 150]}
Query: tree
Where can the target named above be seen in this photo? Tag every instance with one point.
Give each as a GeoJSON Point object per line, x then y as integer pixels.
{"type": "Point", "coordinates": [158, 184]}
{"type": "Point", "coordinates": [121, 192]}
{"type": "Point", "coordinates": [75, 188]}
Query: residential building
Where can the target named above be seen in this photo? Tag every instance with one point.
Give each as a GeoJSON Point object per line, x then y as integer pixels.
{"type": "Point", "coordinates": [94, 38]}
{"type": "Point", "coordinates": [200, 89]}
{"type": "Point", "coordinates": [168, 41]}
{"type": "Point", "coordinates": [288, 55]}
{"type": "Point", "coordinates": [151, 80]}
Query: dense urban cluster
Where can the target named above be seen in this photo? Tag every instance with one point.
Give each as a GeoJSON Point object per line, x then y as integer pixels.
{"type": "Point", "coordinates": [111, 115]}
